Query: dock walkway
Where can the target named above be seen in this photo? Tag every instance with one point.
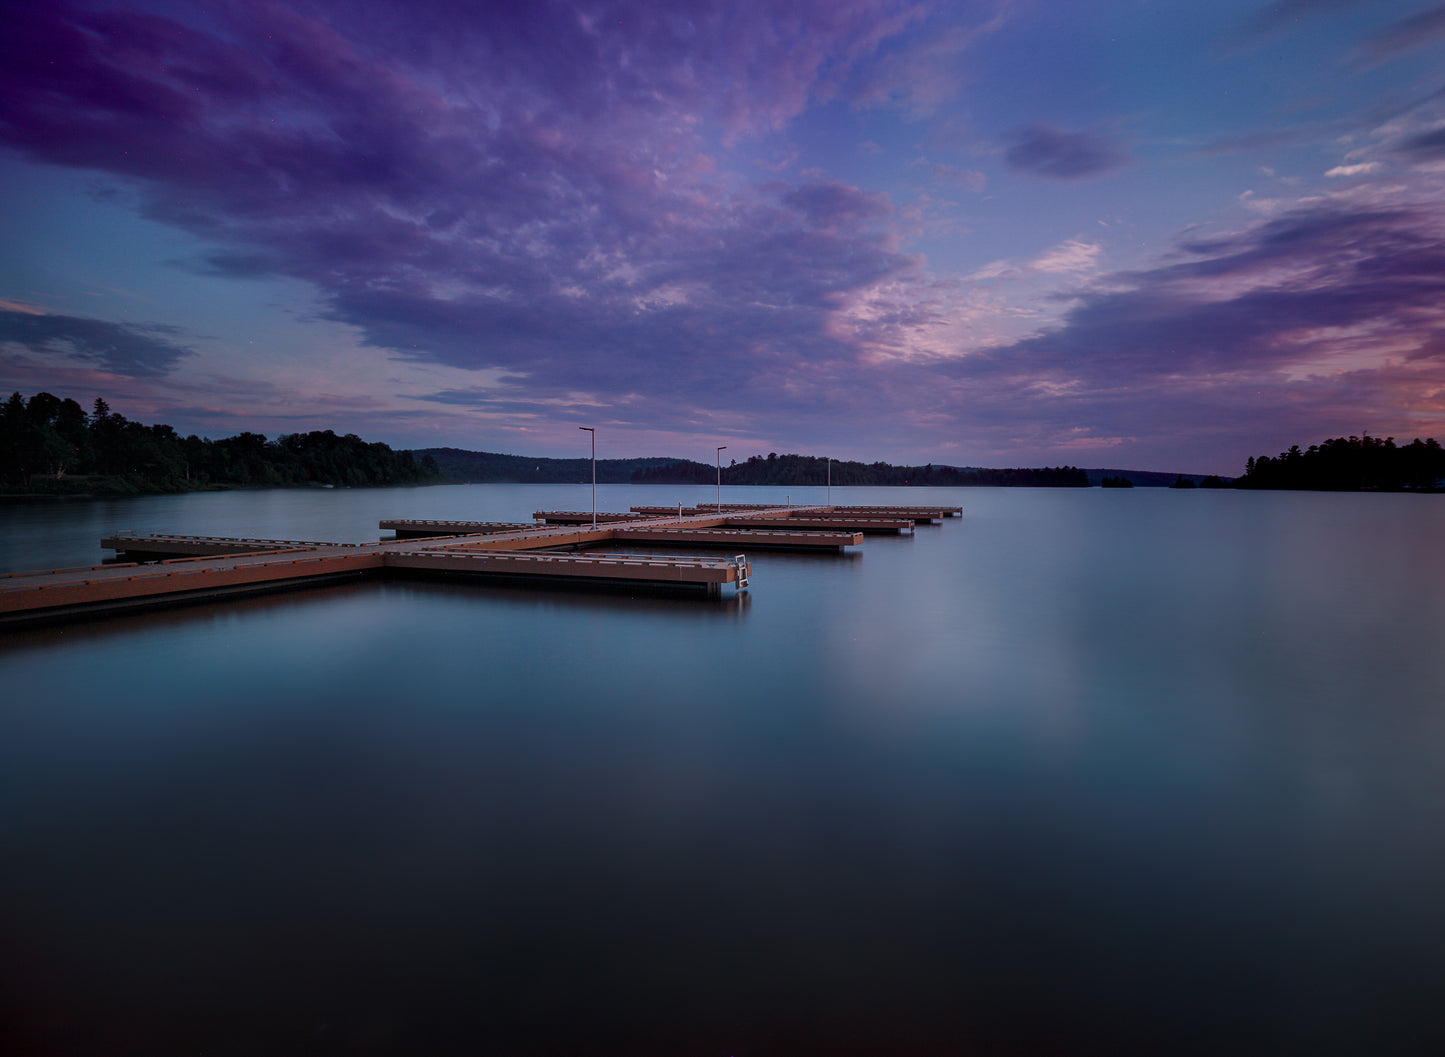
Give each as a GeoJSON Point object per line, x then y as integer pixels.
{"type": "Point", "coordinates": [179, 569]}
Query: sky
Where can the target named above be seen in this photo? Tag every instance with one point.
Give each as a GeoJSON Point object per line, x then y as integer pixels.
{"type": "Point", "coordinates": [1119, 233]}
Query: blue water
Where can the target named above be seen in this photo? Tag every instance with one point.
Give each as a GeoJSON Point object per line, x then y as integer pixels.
{"type": "Point", "coordinates": [1083, 772]}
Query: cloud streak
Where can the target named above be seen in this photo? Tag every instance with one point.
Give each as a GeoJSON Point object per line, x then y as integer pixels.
{"type": "Point", "coordinates": [1407, 34]}
{"type": "Point", "coordinates": [135, 350]}
{"type": "Point", "coordinates": [1044, 150]}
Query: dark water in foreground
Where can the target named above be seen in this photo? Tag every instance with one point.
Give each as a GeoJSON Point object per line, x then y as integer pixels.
{"type": "Point", "coordinates": [1084, 772]}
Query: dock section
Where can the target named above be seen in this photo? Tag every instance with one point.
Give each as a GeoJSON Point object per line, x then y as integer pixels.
{"type": "Point", "coordinates": [840, 523]}
{"type": "Point", "coordinates": [912, 514]}
{"type": "Point", "coordinates": [560, 547]}
{"type": "Point", "coordinates": [423, 529]}
{"type": "Point", "coordinates": [68, 593]}
{"type": "Point", "coordinates": [159, 546]}
{"type": "Point", "coordinates": [917, 514]}
{"type": "Point", "coordinates": [587, 517]}
{"type": "Point", "coordinates": [767, 539]}
{"type": "Point", "coordinates": [711, 574]}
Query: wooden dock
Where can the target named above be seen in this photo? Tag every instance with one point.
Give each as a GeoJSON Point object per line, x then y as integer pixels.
{"type": "Point", "coordinates": [152, 548]}
{"type": "Point", "coordinates": [556, 548]}
{"type": "Point", "coordinates": [655, 569]}
{"type": "Point", "coordinates": [407, 529]}
{"type": "Point", "coordinates": [587, 517]}
{"type": "Point", "coordinates": [911, 514]}
{"type": "Point", "coordinates": [65, 594]}
{"type": "Point", "coordinates": [768, 539]}
{"type": "Point", "coordinates": [838, 523]}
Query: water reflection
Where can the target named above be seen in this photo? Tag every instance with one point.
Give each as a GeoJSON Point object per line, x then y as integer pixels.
{"type": "Point", "coordinates": [1127, 772]}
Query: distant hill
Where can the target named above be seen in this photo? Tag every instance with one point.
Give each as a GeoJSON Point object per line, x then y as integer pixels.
{"type": "Point", "coordinates": [486, 467]}
{"type": "Point", "coordinates": [1149, 478]}
{"type": "Point", "coordinates": [778, 470]}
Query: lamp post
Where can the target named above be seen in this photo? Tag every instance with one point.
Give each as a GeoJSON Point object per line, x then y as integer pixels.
{"type": "Point", "coordinates": [830, 480]}
{"type": "Point", "coordinates": [592, 431]}
{"type": "Point", "coordinates": [721, 448]}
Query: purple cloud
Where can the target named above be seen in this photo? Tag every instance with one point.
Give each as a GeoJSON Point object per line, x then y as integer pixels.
{"type": "Point", "coordinates": [1406, 34]}
{"type": "Point", "coordinates": [1275, 17]}
{"type": "Point", "coordinates": [972, 179]}
{"type": "Point", "coordinates": [1424, 146]}
{"type": "Point", "coordinates": [136, 350]}
{"type": "Point", "coordinates": [833, 206]}
{"type": "Point", "coordinates": [527, 192]}
{"type": "Point", "coordinates": [1043, 150]}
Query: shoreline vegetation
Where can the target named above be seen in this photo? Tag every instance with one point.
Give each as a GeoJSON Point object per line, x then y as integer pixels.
{"type": "Point", "coordinates": [1351, 464]}
{"type": "Point", "coordinates": [52, 448]}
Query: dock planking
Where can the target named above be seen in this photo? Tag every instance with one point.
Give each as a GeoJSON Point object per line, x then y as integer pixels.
{"type": "Point", "coordinates": [424, 529]}
{"type": "Point", "coordinates": [928, 514]}
{"type": "Point", "coordinates": [659, 570]}
{"type": "Point", "coordinates": [769, 539]}
{"type": "Point", "coordinates": [71, 593]}
{"type": "Point", "coordinates": [843, 523]}
{"type": "Point", "coordinates": [163, 545]}
{"type": "Point", "coordinates": [587, 517]}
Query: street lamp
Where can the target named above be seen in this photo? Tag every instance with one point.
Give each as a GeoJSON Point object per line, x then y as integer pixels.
{"type": "Point", "coordinates": [721, 448]}
{"type": "Point", "coordinates": [830, 480]}
{"type": "Point", "coordinates": [592, 431]}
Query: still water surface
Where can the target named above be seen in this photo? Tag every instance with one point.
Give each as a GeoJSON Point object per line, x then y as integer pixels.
{"type": "Point", "coordinates": [1083, 772]}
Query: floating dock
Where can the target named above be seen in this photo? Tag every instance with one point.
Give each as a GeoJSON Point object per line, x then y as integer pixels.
{"type": "Point", "coordinates": [869, 525]}
{"type": "Point", "coordinates": [911, 514]}
{"type": "Point", "coordinates": [768, 539]}
{"type": "Point", "coordinates": [168, 569]}
{"type": "Point", "coordinates": [654, 569]}
{"type": "Point", "coordinates": [153, 548]}
{"type": "Point", "coordinates": [64, 594]}
{"type": "Point", "coordinates": [406, 529]}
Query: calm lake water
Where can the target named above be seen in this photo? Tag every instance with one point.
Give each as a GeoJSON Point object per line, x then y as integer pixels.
{"type": "Point", "coordinates": [1083, 772]}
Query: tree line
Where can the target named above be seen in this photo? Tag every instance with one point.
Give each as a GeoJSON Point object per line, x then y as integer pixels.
{"type": "Point", "coordinates": [52, 445]}
{"type": "Point", "coordinates": [1351, 464]}
{"type": "Point", "coordinates": [778, 469]}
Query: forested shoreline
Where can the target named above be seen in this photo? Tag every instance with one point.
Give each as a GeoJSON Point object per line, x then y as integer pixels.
{"type": "Point", "coordinates": [52, 446]}
{"type": "Point", "coordinates": [1351, 464]}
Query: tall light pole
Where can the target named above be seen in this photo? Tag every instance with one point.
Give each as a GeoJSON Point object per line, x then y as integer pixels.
{"type": "Point", "coordinates": [830, 480]}
{"type": "Point", "coordinates": [592, 431]}
{"type": "Point", "coordinates": [721, 448]}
